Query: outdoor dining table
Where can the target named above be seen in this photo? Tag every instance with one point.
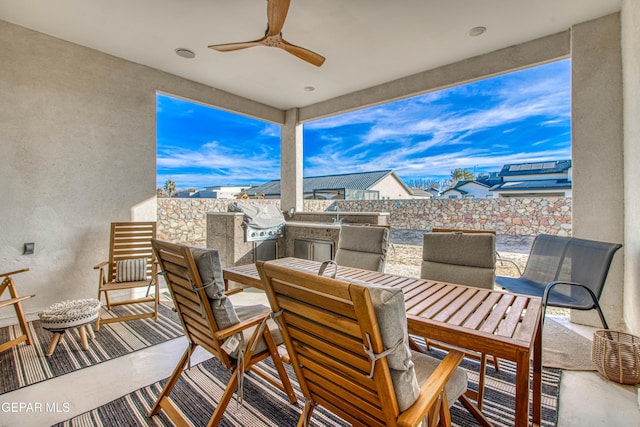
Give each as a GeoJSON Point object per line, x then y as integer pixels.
{"type": "Point", "coordinates": [506, 325]}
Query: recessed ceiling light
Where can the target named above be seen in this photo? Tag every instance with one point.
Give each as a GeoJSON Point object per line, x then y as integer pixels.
{"type": "Point", "coordinates": [309, 88]}
{"type": "Point", "coordinates": [185, 53]}
{"type": "Point", "coordinates": [477, 31]}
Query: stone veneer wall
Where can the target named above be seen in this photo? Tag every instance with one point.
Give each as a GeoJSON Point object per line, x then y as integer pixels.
{"type": "Point", "coordinates": [521, 216]}
{"type": "Point", "coordinates": [185, 220]}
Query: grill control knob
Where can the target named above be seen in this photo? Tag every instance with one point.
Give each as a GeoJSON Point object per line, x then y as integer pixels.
{"type": "Point", "coordinates": [253, 234]}
{"type": "Point", "coordinates": [262, 233]}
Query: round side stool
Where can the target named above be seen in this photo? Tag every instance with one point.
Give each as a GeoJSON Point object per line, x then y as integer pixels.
{"type": "Point", "coordinates": [72, 314]}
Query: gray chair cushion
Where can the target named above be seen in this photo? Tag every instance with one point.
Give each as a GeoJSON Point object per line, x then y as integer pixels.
{"type": "Point", "coordinates": [458, 274]}
{"type": "Point", "coordinates": [363, 260]}
{"type": "Point", "coordinates": [391, 315]}
{"type": "Point", "coordinates": [471, 249]}
{"type": "Point", "coordinates": [210, 270]}
{"type": "Point", "coordinates": [464, 259]}
{"type": "Point", "coordinates": [362, 247]}
{"type": "Point", "coordinates": [248, 311]}
{"type": "Point", "coordinates": [424, 367]}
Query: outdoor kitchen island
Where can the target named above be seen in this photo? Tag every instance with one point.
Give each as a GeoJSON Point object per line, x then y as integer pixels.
{"type": "Point", "coordinates": [305, 234]}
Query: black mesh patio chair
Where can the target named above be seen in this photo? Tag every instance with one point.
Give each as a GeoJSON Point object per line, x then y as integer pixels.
{"type": "Point", "coordinates": [566, 272]}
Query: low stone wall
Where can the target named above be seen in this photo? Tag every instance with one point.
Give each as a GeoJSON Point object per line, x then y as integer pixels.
{"type": "Point", "coordinates": [185, 220]}
{"type": "Point", "coordinates": [520, 216]}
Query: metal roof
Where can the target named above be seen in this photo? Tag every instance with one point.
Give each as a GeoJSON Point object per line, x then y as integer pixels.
{"type": "Point", "coordinates": [538, 168]}
{"type": "Point", "coordinates": [538, 184]}
{"type": "Point", "coordinates": [351, 181]}
{"type": "Point", "coordinates": [470, 181]}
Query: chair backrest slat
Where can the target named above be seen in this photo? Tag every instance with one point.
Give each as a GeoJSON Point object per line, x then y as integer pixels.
{"type": "Point", "coordinates": [131, 240]}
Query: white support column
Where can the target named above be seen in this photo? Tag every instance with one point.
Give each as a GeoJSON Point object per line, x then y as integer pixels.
{"type": "Point", "coordinates": [597, 145]}
{"type": "Point", "coordinates": [291, 191]}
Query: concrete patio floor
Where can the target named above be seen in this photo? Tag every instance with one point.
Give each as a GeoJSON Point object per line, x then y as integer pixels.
{"type": "Point", "coordinates": [585, 398]}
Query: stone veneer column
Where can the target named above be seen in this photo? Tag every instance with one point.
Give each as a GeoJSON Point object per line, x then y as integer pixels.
{"type": "Point", "coordinates": [291, 191]}
{"type": "Point", "coordinates": [597, 144]}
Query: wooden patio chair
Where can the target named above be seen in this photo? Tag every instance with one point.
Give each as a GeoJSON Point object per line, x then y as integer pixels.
{"type": "Point", "coordinates": [14, 300]}
{"type": "Point", "coordinates": [209, 319]}
{"type": "Point", "coordinates": [131, 265]}
{"type": "Point", "coordinates": [348, 344]}
{"type": "Point", "coordinates": [464, 258]}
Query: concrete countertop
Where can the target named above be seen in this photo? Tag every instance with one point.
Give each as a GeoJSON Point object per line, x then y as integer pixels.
{"type": "Point", "coordinates": [346, 213]}
{"type": "Point", "coordinates": [311, 224]}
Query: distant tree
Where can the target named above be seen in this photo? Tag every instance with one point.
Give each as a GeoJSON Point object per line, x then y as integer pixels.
{"type": "Point", "coordinates": [424, 183]}
{"type": "Point", "coordinates": [160, 192]}
{"type": "Point", "coordinates": [170, 187]}
{"type": "Point", "coordinates": [459, 174]}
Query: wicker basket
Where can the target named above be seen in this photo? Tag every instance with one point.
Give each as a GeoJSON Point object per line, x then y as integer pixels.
{"type": "Point", "coordinates": [616, 356]}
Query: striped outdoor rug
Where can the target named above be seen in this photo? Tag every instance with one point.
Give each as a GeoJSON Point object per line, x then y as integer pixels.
{"type": "Point", "coordinates": [24, 365]}
{"type": "Point", "coordinates": [200, 388]}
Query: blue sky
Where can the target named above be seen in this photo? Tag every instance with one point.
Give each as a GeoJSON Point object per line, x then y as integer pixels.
{"type": "Point", "coordinates": [519, 117]}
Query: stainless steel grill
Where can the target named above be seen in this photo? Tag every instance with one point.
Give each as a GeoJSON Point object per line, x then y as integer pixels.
{"type": "Point", "coordinates": [261, 222]}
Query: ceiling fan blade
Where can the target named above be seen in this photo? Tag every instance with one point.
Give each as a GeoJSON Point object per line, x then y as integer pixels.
{"type": "Point", "coordinates": [228, 47]}
{"type": "Point", "coordinates": [276, 15]}
{"type": "Point", "coordinates": [302, 53]}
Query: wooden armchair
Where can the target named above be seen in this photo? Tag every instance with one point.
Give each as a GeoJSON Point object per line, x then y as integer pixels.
{"type": "Point", "coordinates": [464, 258]}
{"type": "Point", "coordinates": [336, 332]}
{"type": "Point", "coordinates": [131, 265]}
{"type": "Point", "coordinates": [14, 300]}
{"type": "Point", "coordinates": [210, 321]}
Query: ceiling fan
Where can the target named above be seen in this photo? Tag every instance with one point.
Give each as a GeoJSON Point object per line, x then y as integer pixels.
{"type": "Point", "coordinates": [276, 15]}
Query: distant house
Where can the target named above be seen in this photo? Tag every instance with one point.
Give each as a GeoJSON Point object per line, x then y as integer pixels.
{"type": "Point", "coordinates": [467, 189]}
{"type": "Point", "coordinates": [215, 192]}
{"type": "Point", "coordinates": [185, 193]}
{"type": "Point", "coordinates": [353, 186]}
{"type": "Point", "coordinates": [433, 191]}
{"type": "Point", "coordinates": [490, 178]}
{"type": "Point", "coordinates": [535, 179]}
{"type": "Point", "coordinates": [419, 193]}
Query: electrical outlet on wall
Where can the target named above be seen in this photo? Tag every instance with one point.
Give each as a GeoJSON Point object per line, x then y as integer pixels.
{"type": "Point", "coordinates": [29, 248]}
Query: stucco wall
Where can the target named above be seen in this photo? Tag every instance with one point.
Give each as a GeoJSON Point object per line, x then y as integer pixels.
{"type": "Point", "coordinates": [184, 220]}
{"type": "Point", "coordinates": [597, 146]}
{"type": "Point", "coordinates": [389, 187]}
{"type": "Point", "coordinates": [77, 131]}
{"type": "Point", "coordinates": [631, 84]}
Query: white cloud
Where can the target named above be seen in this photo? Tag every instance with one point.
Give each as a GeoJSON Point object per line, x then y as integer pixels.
{"type": "Point", "coordinates": [213, 155]}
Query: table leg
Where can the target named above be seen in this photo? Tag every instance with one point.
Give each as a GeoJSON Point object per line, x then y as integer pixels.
{"type": "Point", "coordinates": [537, 376]}
{"type": "Point", "coordinates": [522, 389]}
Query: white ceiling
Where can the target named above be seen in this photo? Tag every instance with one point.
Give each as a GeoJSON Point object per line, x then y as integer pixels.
{"type": "Point", "coordinates": [366, 42]}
